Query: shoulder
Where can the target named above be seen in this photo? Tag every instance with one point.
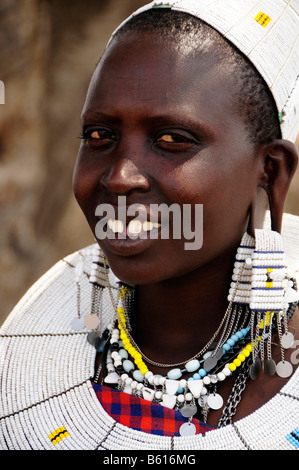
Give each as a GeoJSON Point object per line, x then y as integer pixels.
{"type": "Point", "coordinates": [46, 366]}
{"type": "Point", "coordinates": [51, 303]}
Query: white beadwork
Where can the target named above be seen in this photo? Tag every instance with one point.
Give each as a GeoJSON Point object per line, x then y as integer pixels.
{"type": "Point", "coordinates": [266, 296]}
{"type": "Point", "coordinates": [272, 46]}
{"type": "Point", "coordinates": [240, 288]}
{"type": "Point", "coordinates": [46, 367]}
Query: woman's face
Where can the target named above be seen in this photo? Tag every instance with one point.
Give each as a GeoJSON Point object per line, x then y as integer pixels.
{"type": "Point", "coordinates": [158, 128]}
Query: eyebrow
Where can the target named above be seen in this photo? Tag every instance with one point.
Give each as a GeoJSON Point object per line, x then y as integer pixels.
{"type": "Point", "coordinates": [186, 122]}
{"type": "Point", "coordinates": [91, 117]}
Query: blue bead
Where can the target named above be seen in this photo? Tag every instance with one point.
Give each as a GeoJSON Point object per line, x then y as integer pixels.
{"type": "Point", "coordinates": [202, 372]}
{"type": "Point", "coordinates": [123, 354]}
{"type": "Point", "coordinates": [138, 375]}
{"type": "Point", "coordinates": [235, 338]}
{"type": "Point", "coordinates": [174, 374]}
{"type": "Point", "coordinates": [192, 366]}
{"type": "Point", "coordinates": [128, 365]}
{"type": "Point", "coordinates": [231, 342]}
{"type": "Point", "coordinates": [226, 347]}
{"type": "Point", "coordinates": [207, 354]}
{"type": "Point", "coordinates": [196, 376]}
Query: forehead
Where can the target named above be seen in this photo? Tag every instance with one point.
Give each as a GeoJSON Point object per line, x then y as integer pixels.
{"type": "Point", "coordinates": [151, 71]}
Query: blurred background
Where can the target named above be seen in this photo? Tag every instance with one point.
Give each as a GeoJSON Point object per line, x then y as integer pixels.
{"type": "Point", "coordinates": [48, 50]}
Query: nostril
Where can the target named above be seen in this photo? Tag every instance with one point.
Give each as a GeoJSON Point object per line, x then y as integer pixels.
{"type": "Point", "coordinates": [123, 177]}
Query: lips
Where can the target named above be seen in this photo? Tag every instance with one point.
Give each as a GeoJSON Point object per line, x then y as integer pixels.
{"type": "Point", "coordinates": [129, 239]}
{"type": "Point", "coordinates": [128, 229]}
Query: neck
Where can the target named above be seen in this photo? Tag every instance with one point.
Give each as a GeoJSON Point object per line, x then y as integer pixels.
{"type": "Point", "coordinates": [174, 319]}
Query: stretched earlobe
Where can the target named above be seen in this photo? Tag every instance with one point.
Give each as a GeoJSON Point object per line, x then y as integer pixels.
{"type": "Point", "coordinates": [257, 210]}
{"type": "Point", "coordinates": [281, 159]}
{"type": "Point", "coordinates": [251, 221]}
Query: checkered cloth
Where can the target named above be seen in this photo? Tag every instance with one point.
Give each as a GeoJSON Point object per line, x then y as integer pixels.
{"type": "Point", "coordinates": [143, 415]}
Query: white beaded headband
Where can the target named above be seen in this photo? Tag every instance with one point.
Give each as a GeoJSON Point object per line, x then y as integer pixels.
{"type": "Point", "coordinates": [265, 31]}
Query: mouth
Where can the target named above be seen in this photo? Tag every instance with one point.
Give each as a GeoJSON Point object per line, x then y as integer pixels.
{"type": "Point", "coordinates": [129, 237]}
{"type": "Point", "coordinates": [136, 228]}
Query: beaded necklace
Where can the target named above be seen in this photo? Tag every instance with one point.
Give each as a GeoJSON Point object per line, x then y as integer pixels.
{"type": "Point", "coordinates": [191, 386]}
{"type": "Point", "coordinates": [48, 369]}
{"type": "Point", "coordinates": [127, 370]}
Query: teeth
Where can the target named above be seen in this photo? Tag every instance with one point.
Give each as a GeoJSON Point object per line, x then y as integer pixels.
{"type": "Point", "coordinates": [116, 226]}
{"type": "Point", "coordinates": [135, 227]}
{"type": "Point", "coordinates": [147, 226]}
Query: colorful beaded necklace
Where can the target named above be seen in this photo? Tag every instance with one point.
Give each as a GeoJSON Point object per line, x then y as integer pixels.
{"type": "Point", "coordinates": [191, 386]}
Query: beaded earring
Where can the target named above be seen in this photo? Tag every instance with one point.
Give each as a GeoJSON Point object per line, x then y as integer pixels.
{"type": "Point", "coordinates": [261, 288]}
{"type": "Point", "coordinates": [240, 289]}
{"type": "Point", "coordinates": [98, 280]}
{"type": "Point", "coordinates": [271, 294]}
{"type": "Point", "coordinates": [259, 298]}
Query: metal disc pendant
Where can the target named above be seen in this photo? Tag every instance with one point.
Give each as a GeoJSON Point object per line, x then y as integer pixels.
{"type": "Point", "coordinates": [77, 323]}
{"type": "Point", "coordinates": [187, 429]}
{"type": "Point", "coordinates": [91, 321]}
{"type": "Point", "coordinates": [270, 366]}
{"type": "Point", "coordinates": [92, 336]}
{"type": "Point", "coordinates": [99, 343]}
{"type": "Point", "coordinates": [284, 369]}
{"type": "Point", "coordinates": [215, 401]}
{"type": "Point", "coordinates": [255, 369]}
{"type": "Point", "coordinates": [218, 354]}
{"type": "Point", "coordinates": [210, 363]}
{"type": "Point", "coordinates": [188, 411]}
{"type": "Point", "coordinates": [287, 340]}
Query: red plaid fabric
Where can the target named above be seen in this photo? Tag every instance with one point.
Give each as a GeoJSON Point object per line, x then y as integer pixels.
{"type": "Point", "coordinates": [143, 415]}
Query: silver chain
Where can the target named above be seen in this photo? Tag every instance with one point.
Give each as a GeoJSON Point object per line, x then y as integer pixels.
{"type": "Point", "coordinates": [235, 397]}
{"type": "Point", "coordinates": [226, 317]}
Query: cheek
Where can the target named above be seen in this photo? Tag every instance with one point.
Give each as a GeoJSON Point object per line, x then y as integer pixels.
{"type": "Point", "coordinates": [208, 181]}
{"type": "Point", "coordinates": [224, 191]}
{"type": "Point", "coordinates": [84, 186]}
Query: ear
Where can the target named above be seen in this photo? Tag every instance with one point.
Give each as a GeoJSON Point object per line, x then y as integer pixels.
{"type": "Point", "coordinates": [281, 159]}
{"type": "Point", "coordinates": [257, 210]}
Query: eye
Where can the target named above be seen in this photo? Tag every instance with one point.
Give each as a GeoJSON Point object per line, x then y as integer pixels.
{"type": "Point", "coordinates": [98, 137]}
{"type": "Point", "coordinates": [174, 141]}
{"type": "Point", "coordinates": [172, 138]}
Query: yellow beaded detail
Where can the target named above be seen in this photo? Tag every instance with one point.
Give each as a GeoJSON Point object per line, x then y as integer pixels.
{"type": "Point", "coordinates": [58, 435]}
{"type": "Point", "coordinates": [268, 318]}
{"type": "Point", "coordinates": [237, 362]}
{"type": "Point", "coordinates": [248, 348]}
{"type": "Point", "coordinates": [125, 339]}
{"type": "Point", "coordinates": [263, 19]}
{"type": "Point", "coordinates": [240, 358]}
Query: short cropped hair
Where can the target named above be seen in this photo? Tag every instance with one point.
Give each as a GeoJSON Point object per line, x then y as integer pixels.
{"type": "Point", "coordinates": [253, 100]}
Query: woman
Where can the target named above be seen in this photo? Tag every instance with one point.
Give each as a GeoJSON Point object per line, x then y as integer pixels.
{"type": "Point", "coordinates": [175, 115]}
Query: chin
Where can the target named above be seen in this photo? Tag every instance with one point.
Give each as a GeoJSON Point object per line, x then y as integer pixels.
{"type": "Point", "coordinates": [134, 276]}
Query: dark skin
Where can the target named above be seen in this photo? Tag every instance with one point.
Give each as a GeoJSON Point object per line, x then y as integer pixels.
{"type": "Point", "coordinates": [170, 134]}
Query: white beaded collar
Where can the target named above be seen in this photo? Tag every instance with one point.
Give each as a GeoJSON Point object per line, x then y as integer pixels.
{"type": "Point", "coordinates": [47, 398]}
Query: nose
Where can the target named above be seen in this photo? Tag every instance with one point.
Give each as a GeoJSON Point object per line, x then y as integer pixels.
{"type": "Point", "coordinates": [124, 177]}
